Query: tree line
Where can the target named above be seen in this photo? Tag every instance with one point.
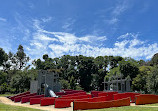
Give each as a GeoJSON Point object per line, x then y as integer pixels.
{"type": "Point", "coordinates": [77, 72]}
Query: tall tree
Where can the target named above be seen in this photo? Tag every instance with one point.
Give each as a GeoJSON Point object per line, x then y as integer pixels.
{"type": "Point", "coordinates": [3, 59]}
{"type": "Point", "coordinates": [86, 69]}
{"type": "Point", "coordinates": [154, 60]}
{"type": "Point", "coordinates": [152, 81]}
{"type": "Point", "coordinates": [21, 58]}
{"type": "Point", "coordinates": [101, 64]}
{"type": "Point", "coordinates": [140, 81]}
{"type": "Point", "coordinates": [129, 68]}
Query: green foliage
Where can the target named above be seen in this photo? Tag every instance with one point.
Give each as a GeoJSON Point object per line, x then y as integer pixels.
{"type": "Point", "coordinates": [3, 77]}
{"type": "Point", "coordinates": [142, 63]}
{"type": "Point", "coordinates": [19, 60]}
{"type": "Point", "coordinates": [72, 83]}
{"type": "Point", "coordinates": [129, 68]}
{"type": "Point", "coordinates": [140, 81]}
{"type": "Point", "coordinates": [76, 72]}
{"type": "Point", "coordinates": [4, 88]}
{"type": "Point", "coordinates": [45, 57]}
{"type": "Point", "coordinates": [114, 61]}
{"type": "Point", "coordinates": [86, 69]}
{"type": "Point", "coordinates": [114, 71]}
{"type": "Point", "coordinates": [64, 84]}
{"type": "Point", "coordinates": [152, 81]}
{"type": "Point", "coordinates": [20, 82]}
{"type": "Point", "coordinates": [3, 56]}
{"type": "Point", "coordinates": [154, 60]}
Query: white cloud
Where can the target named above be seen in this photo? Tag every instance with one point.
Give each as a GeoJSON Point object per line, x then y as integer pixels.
{"type": "Point", "coordinates": [136, 42]}
{"type": "Point", "coordinates": [128, 35]}
{"type": "Point", "coordinates": [112, 21]}
{"type": "Point", "coordinates": [44, 37]}
{"type": "Point", "coordinates": [57, 44]}
{"type": "Point", "coordinates": [3, 19]}
{"type": "Point", "coordinates": [37, 44]}
{"type": "Point", "coordinates": [46, 19]}
{"type": "Point", "coordinates": [68, 23]}
{"type": "Point", "coordinates": [120, 7]}
{"type": "Point", "coordinates": [121, 44]}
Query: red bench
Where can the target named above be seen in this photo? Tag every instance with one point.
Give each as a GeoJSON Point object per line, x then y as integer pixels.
{"type": "Point", "coordinates": [125, 95]}
{"type": "Point", "coordinates": [35, 101]}
{"type": "Point", "coordinates": [21, 94]}
{"type": "Point", "coordinates": [83, 105]}
{"type": "Point", "coordinates": [95, 93]}
{"type": "Point", "coordinates": [75, 94]}
{"type": "Point", "coordinates": [95, 99]}
{"type": "Point", "coordinates": [27, 99]}
{"type": "Point", "coordinates": [63, 103]}
{"type": "Point", "coordinates": [47, 101]}
{"type": "Point", "coordinates": [18, 99]}
{"type": "Point", "coordinates": [146, 99]}
{"type": "Point", "coordinates": [102, 94]}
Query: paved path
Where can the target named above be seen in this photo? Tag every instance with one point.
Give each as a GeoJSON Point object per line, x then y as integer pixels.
{"type": "Point", "coordinates": [37, 106]}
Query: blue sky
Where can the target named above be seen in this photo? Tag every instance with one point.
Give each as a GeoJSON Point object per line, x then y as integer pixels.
{"type": "Point", "coordinates": [127, 28]}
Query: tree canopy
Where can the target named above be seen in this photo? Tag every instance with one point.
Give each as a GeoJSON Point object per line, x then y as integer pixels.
{"type": "Point", "coordinates": [76, 72]}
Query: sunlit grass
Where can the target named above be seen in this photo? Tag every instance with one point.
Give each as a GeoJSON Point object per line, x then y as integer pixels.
{"type": "Point", "coordinates": [4, 107]}
{"type": "Point", "coordinates": [127, 108]}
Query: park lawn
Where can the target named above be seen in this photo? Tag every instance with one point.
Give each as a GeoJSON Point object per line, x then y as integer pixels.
{"type": "Point", "coordinates": [127, 108]}
{"type": "Point", "coordinates": [4, 107]}
{"type": "Point", "coordinates": [6, 95]}
{"type": "Point", "coordinates": [156, 104]}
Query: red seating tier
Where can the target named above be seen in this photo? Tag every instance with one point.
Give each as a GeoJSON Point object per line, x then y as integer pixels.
{"type": "Point", "coordinates": [146, 99]}
{"type": "Point", "coordinates": [47, 101]}
{"type": "Point", "coordinates": [83, 105]}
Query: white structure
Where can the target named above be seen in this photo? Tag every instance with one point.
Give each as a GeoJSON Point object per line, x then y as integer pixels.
{"type": "Point", "coordinates": [116, 83]}
{"type": "Point", "coordinates": [47, 82]}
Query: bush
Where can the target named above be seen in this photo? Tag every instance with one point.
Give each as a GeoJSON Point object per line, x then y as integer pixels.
{"type": "Point", "coordinates": [64, 84]}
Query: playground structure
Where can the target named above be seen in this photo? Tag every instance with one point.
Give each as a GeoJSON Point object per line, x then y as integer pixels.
{"type": "Point", "coordinates": [46, 91]}
{"type": "Point", "coordinates": [117, 83]}
{"type": "Point", "coordinates": [47, 83]}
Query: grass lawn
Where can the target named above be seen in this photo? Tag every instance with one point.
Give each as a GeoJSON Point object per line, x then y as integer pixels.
{"type": "Point", "coordinates": [127, 108]}
{"type": "Point", "coordinates": [4, 107]}
{"type": "Point", "coordinates": [7, 94]}
{"type": "Point", "coordinates": [152, 104]}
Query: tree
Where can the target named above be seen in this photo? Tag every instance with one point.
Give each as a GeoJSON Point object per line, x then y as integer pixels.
{"type": "Point", "coordinates": [86, 69]}
{"type": "Point", "coordinates": [114, 61]}
{"type": "Point", "coordinates": [64, 84]}
{"type": "Point", "coordinates": [140, 81]}
{"type": "Point", "coordinates": [21, 58]}
{"type": "Point", "coordinates": [101, 64]}
{"type": "Point", "coordinates": [3, 82]}
{"type": "Point", "coordinates": [20, 81]}
{"type": "Point", "coordinates": [152, 81]}
{"type": "Point", "coordinates": [154, 60]}
{"type": "Point", "coordinates": [3, 59]}
{"type": "Point", "coordinates": [142, 63]}
{"type": "Point", "coordinates": [45, 57]}
{"type": "Point", "coordinates": [129, 68]}
{"type": "Point", "coordinates": [72, 83]}
{"type": "Point", "coordinates": [3, 77]}
{"type": "Point", "coordinates": [3, 56]}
